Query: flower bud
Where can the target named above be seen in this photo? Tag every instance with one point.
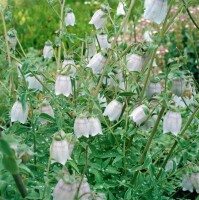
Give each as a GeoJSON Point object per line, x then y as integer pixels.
{"type": "Point", "coordinates": [120, 8]}
{"type": "Point", "coordinates": [59, 149]}
{"type": "Point", "coordinates": [69, 66]}
{"type": "Point", "coordinates": [113, 110]}
{"type": "Point", "coordinates": [153, 89]}
{"type": "Point", "coordinates": [33, 83]}
{"type": "Point", "coordinates": [63, 85]}
{"type": "Point", "coordinates": [99, 19]}
{"type": "Point", "coordinates": [81, 127]}
{"type": "Point", "coordinates": [138, 115]}
{"type": "Point", "coordinates": [155, 10]}
{"type": "Point", "coordinates": [18, 114]}
{"type": "Point", "coordinates": [135, 62]}
{"type": "Point", "coordinates": [97, 63]}
{"type": "Point", "coordinates": [46, 108]}
{"type": "Point", "coordinates": [69, 17]}
{"type": "Point", "coordinates": [103, 41]}
{"type": "Point", "coordinates": [48, 50]}
{"type": "Point", "coordinates": [178, 86]}
{"type": "Point", "coordinates": [172, 122]}
{"type": "Point", "coordinates": [94, 126]}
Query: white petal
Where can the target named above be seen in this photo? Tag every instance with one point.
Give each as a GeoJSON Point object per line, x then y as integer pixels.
{"type": "Point", "coordinates": [33, 83]}
{"type": "Point", "coordinates": [48, 52]}
{"type": "Point", "coordinates": [120, 9]}
{"type": "Point", "coordinates": [81, 127]}
{"type": "Point", "coordinates": [135, 62]}
{"type": "Point", "coordinates": [99, 19]}
{"type": "Point", "coordinates": [70, 19]}
{"type": "Point", "coordinates": [186, 184]}
{"type": "Point", "coordinates": [94, 126]}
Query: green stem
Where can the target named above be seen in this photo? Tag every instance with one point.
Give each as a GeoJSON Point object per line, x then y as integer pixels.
{"type": "Point", "coordinates": [176, 142]}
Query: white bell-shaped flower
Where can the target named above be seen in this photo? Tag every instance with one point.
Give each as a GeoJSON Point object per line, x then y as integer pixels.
{"type": "Point", "coordinates": [64, 191]}
{"type": "Point", "coordinates": [103, 41]}
{"type": "Point", "coordinates": [63, 85]}
{"type": "Point", "coordinates": [170, 164]}
{"type": "Point", "coordinates": [113, 110]}
{"type": "Point", "coordinates": [139, 114]}
{"type": "Point", "coordinates": [48, 50]}
{"type": "Point", "coordinates": [69, 66]}
{"type": "Point", "coordinates": [178, 86]}
{"type": "Point", "coordinates": [155, 10]}
{"type": "Point", "coordinates": [94, 126]}
{"type": "Point", "coordinates": [33, 83]}
{"type": "Point", "coordinates": [182, 102]}
{"type": "Point", "coordinates": [172, 122]}
{"type": "Point", "coordinates": [135, 62]}
{"type": "Point", "coordinates": [81, 127]}
{"type": "Point", "coordinates": [69, 17]}
{"type": "Point", "coordinates": [91, 50]}
{"type": "Point", "coordinates": [46, 108]}
{"type": "Point", "coordinates": [148, 36]}
{"type": "Point", "coordinates": [153, 89]}
{"type": "Point", "coordinates": [186, 184]}
{"type": "Point", "coordinates": [59, 149]}
{"type": "Point", "coordinates": [195, 181]}
{"type": "Point", "coordinates": [84, 191]}
{"type": "Point", "coordinates": [97, 63]}
{"type": "Point", "coordinates": [18, 114]}
{"type": "Point", "coordinates": [12, 40]}
{"type": "Point", "coordinates": [120, 9]}
{"type": "Point", "coordinates": [99, 19]}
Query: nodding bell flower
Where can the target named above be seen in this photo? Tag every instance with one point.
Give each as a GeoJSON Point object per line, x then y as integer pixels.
{"type": "Point", "coordinates": [94, 126]}
{"type": "Point", "coordinates": [195, 181]}
{"type": "Point", "coordinates": [48, 50]}
{"type": "Point", "coordinates": [97, 63]}
{"type": "Point", "coordinates": [178, 86]}
{"type": "Point", "coordinates": [64, 191]}
{"type": "Point", "coordinates": [135, 62]}
{"type": "Point", "coordinates": [69, 66]}
{"type": "Point", "coordinates": [99, 19]}
{"type": "Point", "coordinates": [170, 163]}
{"type": "Point", "coordinates": [139, 114]}
{"type": "Point", "coordinates": [91, 49]}
{"type": "Point", "coordinates": [113, 110]}
{"type": "Point", "coordinates": [120, 8]}
{"type": "Point", "coordinates": [63, 85]}
{"type": "Point", "coordinates": [59, 149]}
{"type": "Point", "coordinates": [103, 40]}
{"type": "Point", "coordinates": [84, 191]}
{"type": "Point", "coordinates": [11, 37]}
{"type": "Point", "coordinates": [33, 83]}
{"type": "Point", "coordinates": [172, 122]}
{"type": "Point", "coordinates": [81, 127]}
{"type": "Point", "coordinates": [186, 183]}
{"type": "Point", "coordinates": [182, 102]}
{"type": "Point", "coordinates": [69, 17]}
{"type": "Point", "coordinates": [153, 89]}
{"type": "Point", "coordinates": [155, 10]}
{"type": "Point", "coordinates": [18, 113]}
{"type": "Point", "coordinates": [46, 108]}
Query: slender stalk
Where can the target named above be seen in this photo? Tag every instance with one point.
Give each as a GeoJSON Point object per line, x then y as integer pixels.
{"type": "Point", "coordinates": [20, 45]}
{"type": "Point", "coordinates": [141, 161]}
{"type": "Point", "coordinates": [112, 45]}
{"type": "Point", "coordinates": [176, 142]}
{"type": "Point", "coordinates": [60, 29]}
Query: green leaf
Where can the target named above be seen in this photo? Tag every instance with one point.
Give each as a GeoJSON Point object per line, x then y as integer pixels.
{"type": "Point", "coordinates": [47, 117]}
{"type": "Point", "coordinates": [10, 164]}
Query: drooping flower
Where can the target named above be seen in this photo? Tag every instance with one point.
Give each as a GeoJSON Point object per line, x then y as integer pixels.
{"type": "Point", "coordinates": [195, 181]}
{"type": "Point", "coordinates": [178, 86]}
{"type": "Point", "coordinates": [69, 17]}
{"type": "Point", "coordinates": [135, 62]}
{"type": "Point", "coordinates": [172, 122]}
{"type": "Point", "coordinates": [64, 191]}
{"type": "Point", "coordinates": [46, 108]}
{"type": "Point", "coordinates": [99, 19]}
{"type": "Point", "coordinates": [103, 40]}
{"type": "Point", "coordinates": [153, 89]}
{"type": "Point", "coordinates": [59, 149]}
{"type": "Point", "coordinates": [113, 110]}
{"type": "Point", "coordinates": [18, 113]}
{"type": "Point", "coordinates": [63, 85]}
{"type": "Point", "coordinates": [138, 115]}
{"type": "Point", "coordinates": [69, 66]}
{"type": "Point", "coordinates": [81, 127]}
{"type": "Point", "coordinates": [84, 191]}
{"type": "Point", "coordinates": [170, 164]}
{"type": "Point", "coordinates": [48, 50]}
{"type": "Point", "coordinates": [12, 40]}
{"type": "Point", "coordinates": [186, 183]}
{"type": "Point", "coordinates": [155, 10]}
{"type": "Point", "coordinates": [94, 126]}
{"type": "Point", "coordinates": [120, 8]}
{"type": "Point", "coordinates": [33, 83]}
{"type": "Point", "coordinates": [97, 63]}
